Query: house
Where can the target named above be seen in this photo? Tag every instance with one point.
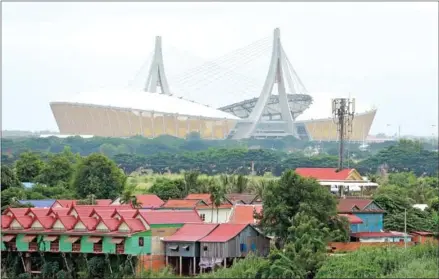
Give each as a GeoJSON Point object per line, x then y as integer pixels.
{"type": "Point", "coordinates": [380, 237]}
{"type": "Point", "coordinates": [424, 237]}
{"type": "Point", "coordinates": [353, 220]}
{"type": "Point", "coordinates": [159, 224]}
{"type": "Point", "coordinates": [182, 249]}
{"type": "Point", "coordinates": [230, 241]}
{"type": "Point", "coordinates": [367, 210]}
{"type": "Point", "coordinates": [238, 198]}
{"type": "Point", "coordinates": [245, 214]}
{"type": "Point", "coordinates": [210, 213]}
{"type": "Point", "coordinates": [346, 180]}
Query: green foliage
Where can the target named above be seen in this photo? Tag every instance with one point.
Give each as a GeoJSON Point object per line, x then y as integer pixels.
{"type": "Point", "coordinates": [291, 194]}
{"type": "Point", "coordinates": [250, 267]}
{"type": "Point", "coordinates": [28, 167]}
{"type": "Point", "coordinates": [391, 262]}
{"type": "Point", "coordinates": [9, 178]}
{"type": "Point", "coordinates": [58, 169]}
{"type": "Point", "coordinates": [11, 196]}
{"type": "Point", "coordinates": [166, 188]}
{"type": "Point", "coordinates": [98, 175]}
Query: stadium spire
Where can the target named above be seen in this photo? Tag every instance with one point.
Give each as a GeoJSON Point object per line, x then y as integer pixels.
{"type": "Point", "coordinates": [278, 73]}
{"type": "Point", "coordinates": [156, 77]}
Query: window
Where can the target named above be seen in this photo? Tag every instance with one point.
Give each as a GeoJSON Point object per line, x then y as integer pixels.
{"type": "Point", "coordinates": [203, 217]}
{"type": "Point", "coordinates": [141, 241]}
{"type": "Point", "coordinates": [205, 248]}
{"type": "Point", "coordinates": [242, 247]}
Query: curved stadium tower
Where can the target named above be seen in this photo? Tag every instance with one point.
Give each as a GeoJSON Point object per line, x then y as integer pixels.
{"type": "Point", "coordinates": [151, 114]}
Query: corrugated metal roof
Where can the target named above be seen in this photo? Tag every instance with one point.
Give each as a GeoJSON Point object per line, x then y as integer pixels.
{"type": "Point", "coordinates": [224, 232]}
{"type": "Point", "coordinates": [145, 101]}
{"type": "Point", "coordinates": [45, 221]}
{"type": "Point", "coordinates": [246, 198]}
{"type": "Point", "coordinates": [111, 223]}
{"type": "Point", "coordinates": [19, 211]}
{"type": "Point", "coordinates": [324, 173]}
{"type": "Point", "coordinates": [38, 203]}
{"type": "Point", "coordinates": [170, 216]}
{"type": "Point", "coordinates": [149, 201]}
{"type": "Point", "coordinates": [25, 221]}
{"type": "Point", "coordinates": [130, 213]}
{"type": "Point", "coordinates": [191, 232]}
{"type": "Point", "coordinates": [346, 205]}
{"type": "Point", "coordinates": [103, 202]}
{"type": "Point", "coordinates": [68, 221]}
{"type": "Point", "coordinates": [89, 223]}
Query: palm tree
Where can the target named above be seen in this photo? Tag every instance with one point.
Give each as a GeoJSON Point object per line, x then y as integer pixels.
{"type": "Point", "coordinates": [129, 198]}
{"type": "Point", "coordinates": [241, 184]}
{"type": "Point", "coordinates": [190, 180]}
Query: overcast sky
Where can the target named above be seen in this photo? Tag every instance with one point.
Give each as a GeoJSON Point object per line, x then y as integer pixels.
{"type": "Point", "coordinates": [384, 54]}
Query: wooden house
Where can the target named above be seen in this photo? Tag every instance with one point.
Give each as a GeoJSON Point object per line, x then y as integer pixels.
{"type": "Point", "coordinates": [182, 249]}
{"type": "Point", "coordinates": [229, 241]}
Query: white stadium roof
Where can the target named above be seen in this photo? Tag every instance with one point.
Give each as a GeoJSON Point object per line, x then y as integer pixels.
{"type": "Point", "coordinates": [321, 106]}
{"type": "Point", "coordinates": [145, 101]}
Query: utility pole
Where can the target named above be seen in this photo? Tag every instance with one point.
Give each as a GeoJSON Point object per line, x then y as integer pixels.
{"type": "Point", "coordinates": [343, 110]}
{"type": "Point", "coordinates": [405, 228]}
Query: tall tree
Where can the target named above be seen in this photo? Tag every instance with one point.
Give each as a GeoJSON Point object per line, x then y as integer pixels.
{"type": "Point", "coordinates": [28, 167]}
{"type": "Point", "coordinates": [58, 169]}
{"type": "Point", "coordinates": [9, 179]}
{"type": "Point", "coordinates": [284, 198]}
{"type": "Point", "coordinates": [98, 175]}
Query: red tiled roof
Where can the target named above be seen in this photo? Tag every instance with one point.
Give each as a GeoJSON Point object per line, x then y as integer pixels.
{"type": "Point", "coordinates": [183, 203]}
{"type": "Point", "coordinates": [210, 206]}
{"type": "Point", "coordinates": [170, 216]}
{"type": "Point", "coordinates": [38, 211]}
{"type": "Point", "coordinates": [103, 202]}
{"type": "Point", "coordinates": [66, 203]}
{"type": "Point", "coordinates": [59, 211]}
{"type": "Point", "coordinates": [111, 223]}
{"type": "Point", "coordinates": [376, 234]}
{"type": "Point", "coordinates": [149, 201]}
{"type": "Point", "coordinates": [135, 225]}
{"type": "Point", "coordinates": [346, 205]}
{"type": "Point", "coordinates": [324, 173]}
{"type": "Point", "coordinates": [45, 221]}
{"type": "Point", "coordinates": [224, 232]}
{"type": "Point", "coordinates": [68, 221]}
{"type": "Point", "coordinates": [244, 214]}
{"type": "Point", "coordinates": [19, 211]}
{"type": "Point", "coordinates": [103, 212]}
{"type": "Point", "coordinates": [203, 197]}
{"type": "Point", "coordinates": [6, 221]}
{"type": "Point", "coordinates": [125, 213]}
{"type": "Point", "coordinates": [89, 223]}
{"type": "Point", "coordinates": [191, 232]}
{"type": "Point", "coordinates": [24, 221]}
{"type": "Point", "coordinates": [352, 218]}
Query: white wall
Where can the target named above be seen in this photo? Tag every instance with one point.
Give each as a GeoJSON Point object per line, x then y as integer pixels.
{"type": "Point", "coordinates": [223, 215]}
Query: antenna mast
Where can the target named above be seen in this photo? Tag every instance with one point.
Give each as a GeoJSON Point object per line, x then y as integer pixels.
{"type": "Point", "coordinates": [343, 110]}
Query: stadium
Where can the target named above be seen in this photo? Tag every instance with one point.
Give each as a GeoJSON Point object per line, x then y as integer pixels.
{"type": "Point", "coordinates": [287, 112]}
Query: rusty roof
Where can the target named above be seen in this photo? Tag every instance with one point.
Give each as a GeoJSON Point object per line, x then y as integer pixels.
{"type": "Point", "coordinates": [183, 203]}
{"type": "Point", "coordinates": [224, 232]}
{"type": "Point", "coordinates": [376, 234]}
{"type": "Point", "coordinates": [347, 205]}
{"type": "Point", "coordinates": [191, 232]}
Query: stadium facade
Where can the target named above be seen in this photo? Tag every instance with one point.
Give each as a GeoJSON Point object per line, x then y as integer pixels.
{"type": "Point", "coordinates": [151, 114]}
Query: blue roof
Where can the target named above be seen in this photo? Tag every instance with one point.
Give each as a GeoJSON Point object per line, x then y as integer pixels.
{"type": "Point", "coordinates": [38, 203]}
